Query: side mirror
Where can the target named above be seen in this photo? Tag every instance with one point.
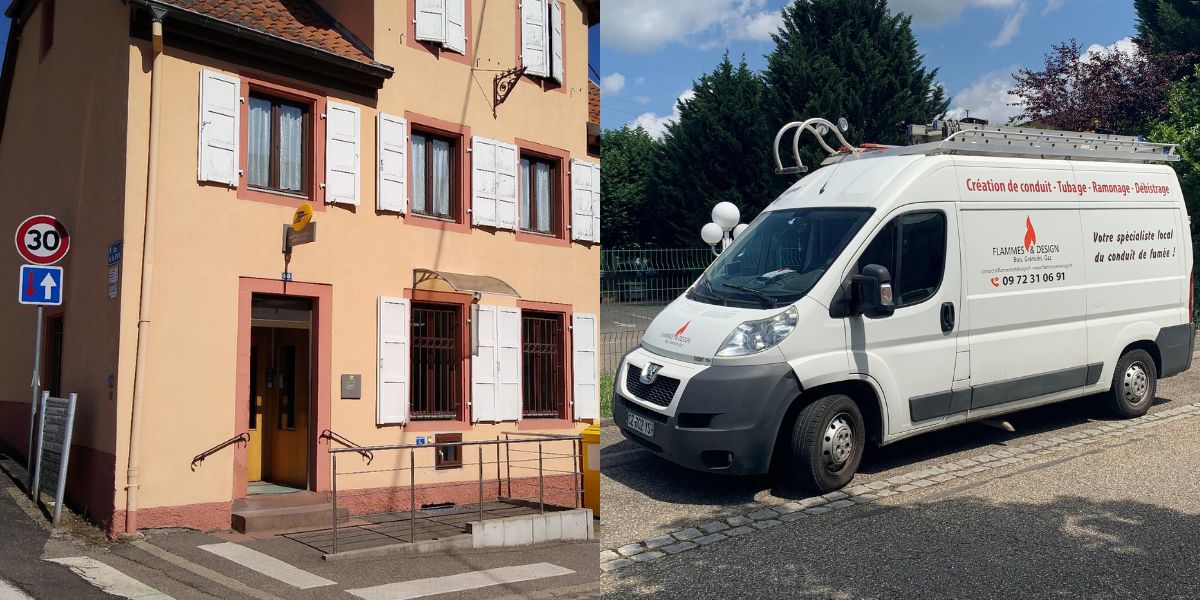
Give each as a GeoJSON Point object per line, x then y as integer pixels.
{"type": "Point", "coordinates": [871, 292]}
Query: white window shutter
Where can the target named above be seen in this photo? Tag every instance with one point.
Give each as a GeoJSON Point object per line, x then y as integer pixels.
{"type": "Point", "coordinates": [431, 20]}
{"type": "Point", "coordinates": [483, 367]}
{"type": "Point", "coordinates": [534, 37]}
{"type": "Point", "coordinates": [556, 41]}
{"type": "Point", "coordinates": [583, 362]}
{"type": "Point", "coordinates": [596, 203]}
{"type": "Point", "coordinates": [507, 164]}
{"type": "Point", "coordinates": [391, 193]}
{"type": "Point", "coordinates": [483, 181]}
{"type": "Point", "coordinates": [456, 26]}
{"type": "Point", "coordinates": [392, 402]}
{"type": "Point", "coordinates": [508, 364]}
{"type": "Point", "coordinates": [585, 186]}
{"type": "Point", "coordinates": [220, 113]}
{"type": "Point", "coordinates": [341, 153]}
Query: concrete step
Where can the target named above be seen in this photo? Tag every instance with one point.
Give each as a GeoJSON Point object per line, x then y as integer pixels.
{"type": "Point", "coordinates": [285, 518]}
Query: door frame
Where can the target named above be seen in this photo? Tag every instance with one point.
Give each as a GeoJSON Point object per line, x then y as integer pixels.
{"type": "Point", "coordinates": [319, 396]}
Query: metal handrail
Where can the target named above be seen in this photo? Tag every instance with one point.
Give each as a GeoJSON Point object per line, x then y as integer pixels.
{"type": "Point", "coordinates": [331, 435]}
{"type": "Point", "coordinates": [241, 438]}
{"type": "Point", "coordinates": [544, 438]}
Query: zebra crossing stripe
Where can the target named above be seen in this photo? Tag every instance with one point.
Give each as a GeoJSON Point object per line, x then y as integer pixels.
{"type": "Point", "coordinates": [108, 579]}
{"type": "Point", "coordinates": [267, 565]}
{"type": "Point", "coordinates": [420, 588]}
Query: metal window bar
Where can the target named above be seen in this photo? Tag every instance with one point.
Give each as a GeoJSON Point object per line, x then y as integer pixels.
{"type": "Point", "coordinates": [542, 365]}
{"type": "Point", "coordinates": [436, 356]}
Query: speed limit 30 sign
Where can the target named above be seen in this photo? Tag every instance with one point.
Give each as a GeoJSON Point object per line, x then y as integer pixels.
{"type": "Point", "coordinates": [42, 240]}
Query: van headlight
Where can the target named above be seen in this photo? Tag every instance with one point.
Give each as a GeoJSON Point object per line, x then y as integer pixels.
{"type": "Point", "coordinates": [755, 336]}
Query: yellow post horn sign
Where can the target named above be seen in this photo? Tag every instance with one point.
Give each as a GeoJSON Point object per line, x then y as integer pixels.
{"type": "Point", "coordinates": [303, 216]}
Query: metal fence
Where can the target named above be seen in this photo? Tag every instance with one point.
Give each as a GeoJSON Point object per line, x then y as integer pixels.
{"type": "Point", "coordinates": [634, 286]}
{"type": "Point", "coordinates": [518, 473]}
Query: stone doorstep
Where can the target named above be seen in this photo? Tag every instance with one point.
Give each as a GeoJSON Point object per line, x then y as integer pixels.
{"type": "Point", "coordinates": [509, 532]}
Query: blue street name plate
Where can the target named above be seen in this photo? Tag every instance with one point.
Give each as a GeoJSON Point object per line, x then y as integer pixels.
{"type": "Point", "coordinates": [41, 285]}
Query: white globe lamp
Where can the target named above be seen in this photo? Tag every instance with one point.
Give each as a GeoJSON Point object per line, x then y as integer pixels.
{"type": "Point", "coordinates": [711, 233]}
{"type": "Point", "coordinates": [739, 229]}
{"type": "Point", "coordinates": [726, 215]}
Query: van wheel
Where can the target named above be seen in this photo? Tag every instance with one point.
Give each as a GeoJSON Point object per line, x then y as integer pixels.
{"type": "Point", "coordinates": [827, 443]}
{"type": "Point", "coordinates": [1134, 384]}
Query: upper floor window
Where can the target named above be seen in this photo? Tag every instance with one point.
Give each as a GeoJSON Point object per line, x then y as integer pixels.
{"type": "Point", "coordinates": [434, 175]}
{"type": "Point", "coordinates": [277, 134]}
{"type": "Point", "coordinates": [542, 39]}
{"type": "Point", "coordinates": [539, 196]}
{"type": "Point", "coordinates": [442, 22]}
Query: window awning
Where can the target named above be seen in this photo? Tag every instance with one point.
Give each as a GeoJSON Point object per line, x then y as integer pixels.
{"type": "Point", "coordinates": [441, 281]}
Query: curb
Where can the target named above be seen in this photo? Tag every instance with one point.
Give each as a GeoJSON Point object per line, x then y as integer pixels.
{"type": "Point", "coordinates": [772, 515]}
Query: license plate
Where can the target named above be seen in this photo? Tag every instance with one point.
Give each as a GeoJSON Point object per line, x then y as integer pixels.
{"type": "Point", "coordinates": [640, 424]}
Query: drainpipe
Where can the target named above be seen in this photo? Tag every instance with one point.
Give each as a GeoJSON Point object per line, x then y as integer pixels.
{"type": "Point", "coordinates": [139, 371]}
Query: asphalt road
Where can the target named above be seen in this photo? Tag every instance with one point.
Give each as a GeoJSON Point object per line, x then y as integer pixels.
{"type": "Point", "coordinates": [1114, 519]}
{"type": "Point", "coordinates": [628, 316]}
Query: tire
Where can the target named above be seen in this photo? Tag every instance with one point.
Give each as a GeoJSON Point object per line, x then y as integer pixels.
{"type": "Point", "coordinates": [1134, 384]}
{"type": "Point", "coordinates": [827, 443]}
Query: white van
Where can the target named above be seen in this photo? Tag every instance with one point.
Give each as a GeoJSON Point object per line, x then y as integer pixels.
{"type": "Point", "coordinates": [903, 290]}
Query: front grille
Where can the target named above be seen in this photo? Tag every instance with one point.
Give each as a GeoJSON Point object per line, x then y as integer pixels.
{"type": "Point", "coordinates": [660, 393]}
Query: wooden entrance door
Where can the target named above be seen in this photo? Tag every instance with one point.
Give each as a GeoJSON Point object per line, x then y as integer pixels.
{"type": "Point", "coordinates": [279, 406]}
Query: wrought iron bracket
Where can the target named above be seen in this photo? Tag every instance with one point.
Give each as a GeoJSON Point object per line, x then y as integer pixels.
{"type": "Point", "coordinates": [503, 84]}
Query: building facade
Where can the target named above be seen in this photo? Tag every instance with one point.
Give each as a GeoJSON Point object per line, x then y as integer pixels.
{"type": "Point", "coordinates": [450, 293]}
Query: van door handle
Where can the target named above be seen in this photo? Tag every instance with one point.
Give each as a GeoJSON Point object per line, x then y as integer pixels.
{"type": "Point", "coordinates": [947, 316]}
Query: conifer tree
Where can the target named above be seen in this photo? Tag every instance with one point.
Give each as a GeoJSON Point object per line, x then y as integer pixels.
{"type": "Point", "coordinates": [626, 154]}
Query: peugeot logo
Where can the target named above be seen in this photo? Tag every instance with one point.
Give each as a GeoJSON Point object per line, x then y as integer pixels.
{"type": "Point", "coordinates": [650, 373]}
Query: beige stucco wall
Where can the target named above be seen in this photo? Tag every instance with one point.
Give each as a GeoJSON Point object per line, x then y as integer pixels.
{"type": "Point", "coordinates": [208, 238]}
{"type": "Point", "coordinates": [63, 153]}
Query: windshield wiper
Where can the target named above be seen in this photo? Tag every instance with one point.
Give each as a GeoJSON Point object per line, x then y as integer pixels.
{"type": "Point", "coordinates": [771, 303]}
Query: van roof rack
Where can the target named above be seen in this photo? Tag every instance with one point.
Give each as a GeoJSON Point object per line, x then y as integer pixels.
{"type": "Point", "coordinates": [955, 137]}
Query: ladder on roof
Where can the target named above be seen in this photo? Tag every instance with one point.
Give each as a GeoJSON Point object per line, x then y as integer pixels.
{"type": "Point", "coordinates": [983, 140]}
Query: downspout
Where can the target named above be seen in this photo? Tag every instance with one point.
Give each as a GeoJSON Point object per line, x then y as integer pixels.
{"type": "Point", "coordinates": [143, 341]}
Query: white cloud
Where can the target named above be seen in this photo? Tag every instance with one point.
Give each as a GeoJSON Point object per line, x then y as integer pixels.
{"type": "Point", "coordinates": [1011, 27]}
{"type": "Point", "coordinates": [987, 98]}
{"type": "Point", "coordinates": [641, 26]}
{"type": "Point", "coordinates": [1052, 5]}
{"type": "Point", "coordinates": [612, 84]}
{"type": "Point", "coordinates": [642, 99]}
{"type": "Point", "coordinates": [656, 125]}
{"type": "Point", "coordinates": [1124, 45]}
{"type": "Point", "coordinates": [934, 13]}
{"type": "Point", "coordinates": [640, 80]}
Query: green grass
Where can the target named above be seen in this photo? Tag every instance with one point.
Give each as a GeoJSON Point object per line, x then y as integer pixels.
{"type": "Point", "coordinates": [606, 396]}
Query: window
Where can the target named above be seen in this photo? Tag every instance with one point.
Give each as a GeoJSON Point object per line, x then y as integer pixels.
{"type": "Point", "coordinates": [52, 382]}
{"type": "Point", "coordinates": [436, 361]}
{"type": "Point", "coordinates": [919, 240]}
{"type": "Point", "coordinates": [441, 22]}
{"type": "Point", "coordinates": [539, 196]}
{"type": "Point", "coordinates": [542, 39]}
{"type": "Point", "coordinates": [434, 176]}
{"type": "Point", "coordinates": [542, 348]}
{"type": "Point", "coordinates": [448, 457]}
{"type": "Point", "coordinates": [278, 138]}
{"type": "Point", "coordinates": [47, 26]}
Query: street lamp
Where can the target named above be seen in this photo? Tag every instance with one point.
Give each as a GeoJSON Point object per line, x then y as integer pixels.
{"type": "Point", "coordinates": [724, 227]}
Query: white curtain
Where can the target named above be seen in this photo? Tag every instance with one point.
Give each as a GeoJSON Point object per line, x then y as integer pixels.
{"type": "Point", "coordinates": [525, 193]}
{"type": "Point", "coordinates": [543, 197]}
{"type": "Point", "coordinates": [259, 159]}
{"type": "Point", "coordinates": [418, 175]}
{"type": "Point", "coordinates": [291, 140]}
{"type": "Point", "coordinates": [441, 178]}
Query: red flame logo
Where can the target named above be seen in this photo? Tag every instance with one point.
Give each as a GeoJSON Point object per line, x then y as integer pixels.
{"type": "Point", "coordinates": [682, 329]}
{"type": "Point", "coordinates": [1030, 234]}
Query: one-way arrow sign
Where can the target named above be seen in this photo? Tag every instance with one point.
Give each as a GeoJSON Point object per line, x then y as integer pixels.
{"type": "Point", "coordinates": [41, 285]}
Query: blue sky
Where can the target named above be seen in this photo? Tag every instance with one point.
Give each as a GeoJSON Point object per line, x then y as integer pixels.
{"type": "Point", "coordinates": [652, 52]}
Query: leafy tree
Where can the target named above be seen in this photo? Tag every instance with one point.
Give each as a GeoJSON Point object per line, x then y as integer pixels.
{"type": "Point", "coordinates": [1108, 90]}
{"type": "Point", "coordinates": [626, 154]}
{"type": "Point", "coordinates": [718, 150]}
{"type": "Point", "coordinates": [853, 59]}
{"type": "Point", "coordinates": [1182, 126]}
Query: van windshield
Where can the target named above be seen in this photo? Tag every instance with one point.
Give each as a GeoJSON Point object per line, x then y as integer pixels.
{"type": "Point", "coordinates": [780, 257]}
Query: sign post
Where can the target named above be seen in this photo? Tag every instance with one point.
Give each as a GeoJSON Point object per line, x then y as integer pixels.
{"type": "Point", "coordinates": [41, 240]}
